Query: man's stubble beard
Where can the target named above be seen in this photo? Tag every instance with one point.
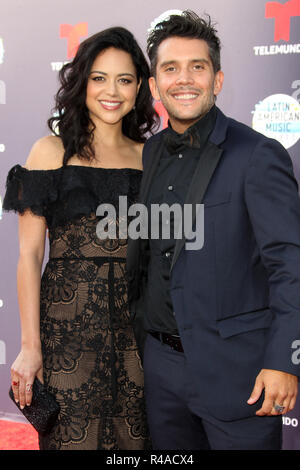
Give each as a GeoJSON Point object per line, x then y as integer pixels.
{"type": "Point", "coordinates": [199, 113]}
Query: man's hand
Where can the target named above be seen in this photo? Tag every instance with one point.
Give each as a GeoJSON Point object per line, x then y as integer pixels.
{"type": "Point", "coordinates": [280, 388]}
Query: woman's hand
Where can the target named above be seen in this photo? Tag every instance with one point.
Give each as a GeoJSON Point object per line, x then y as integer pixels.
{"type": "Point", "coordinates": [26, 367]}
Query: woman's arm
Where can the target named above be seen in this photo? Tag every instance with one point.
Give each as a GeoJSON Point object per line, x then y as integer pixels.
{"type": "Point", "coordinates": [46, 154]}
{"type": "Point", "coordinates": [28, 364]}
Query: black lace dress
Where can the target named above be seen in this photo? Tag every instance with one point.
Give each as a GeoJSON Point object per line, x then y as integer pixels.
{"type": "Point", "coordinates": [91, 362]}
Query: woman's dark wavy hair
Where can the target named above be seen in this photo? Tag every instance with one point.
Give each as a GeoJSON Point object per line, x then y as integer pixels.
{"type": "Point", "coordinates": [186, 25]}
{"type": "Point", "coordinates": [71, 120]}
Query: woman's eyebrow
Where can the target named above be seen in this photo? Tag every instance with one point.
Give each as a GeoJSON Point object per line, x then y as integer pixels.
{"type": "Point", "coordinates": [119, 75]}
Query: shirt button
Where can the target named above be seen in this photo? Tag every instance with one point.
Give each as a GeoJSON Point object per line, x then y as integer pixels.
{"type": "Point", "coordinates": [168, 254]}
{"type": "Point", "coordinates": [180, 155]}
{"type": "Point", "coordinates": [170, 188]}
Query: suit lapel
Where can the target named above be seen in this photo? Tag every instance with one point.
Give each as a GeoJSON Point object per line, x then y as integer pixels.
{"type": "Point", "coordinates": [204, 173]}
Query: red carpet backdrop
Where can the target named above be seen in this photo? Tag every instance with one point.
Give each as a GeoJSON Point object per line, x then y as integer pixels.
{"type": "Point", "coordinates": [260, 59]}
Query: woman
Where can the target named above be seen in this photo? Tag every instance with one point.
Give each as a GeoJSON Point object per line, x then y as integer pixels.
{"type": "Point", "coordinates": [76, 332]}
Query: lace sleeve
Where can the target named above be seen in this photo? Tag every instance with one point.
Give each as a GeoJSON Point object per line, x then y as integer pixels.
{"type": "Point", "coordinates": [29, 189]}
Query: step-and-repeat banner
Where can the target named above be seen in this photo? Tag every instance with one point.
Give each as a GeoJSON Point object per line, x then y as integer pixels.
{"type": "Point", "coordinates": [260, 59]}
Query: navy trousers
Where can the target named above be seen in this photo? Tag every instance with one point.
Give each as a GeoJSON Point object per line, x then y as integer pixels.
{"type": "Point", "coordinates": [176, 420]}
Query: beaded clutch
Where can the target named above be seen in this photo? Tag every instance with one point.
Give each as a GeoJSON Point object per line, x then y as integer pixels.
{"type": "Point", "coordinates": [44, 409]}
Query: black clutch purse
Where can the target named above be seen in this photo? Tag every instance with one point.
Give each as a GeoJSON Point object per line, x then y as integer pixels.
{"type": "Point", "coordinates": [44, 409]}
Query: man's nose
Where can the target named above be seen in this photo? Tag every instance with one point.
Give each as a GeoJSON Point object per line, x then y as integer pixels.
{"type": "Point", "coordinates": [184, 77]}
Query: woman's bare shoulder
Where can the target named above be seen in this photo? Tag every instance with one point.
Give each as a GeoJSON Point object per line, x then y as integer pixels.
{"type": "Point", "coordinates": [46, 154]}
{"type": "Point", "coordinates": [139, 152]}
{"type": "Point", "coordinates": [140, 148]}
{"type": "Point", "coordinates": [136, 152]}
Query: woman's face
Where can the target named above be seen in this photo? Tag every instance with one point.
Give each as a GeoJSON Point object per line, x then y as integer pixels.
{"type": "Point", "coordinates": [112, 86]}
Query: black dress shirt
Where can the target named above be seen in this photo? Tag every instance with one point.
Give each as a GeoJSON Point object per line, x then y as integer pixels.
{"type": "Point", "coordinates": [169, 186]}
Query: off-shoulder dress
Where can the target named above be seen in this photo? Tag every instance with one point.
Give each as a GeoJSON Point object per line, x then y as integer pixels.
{"type": "Point", "coordinates": [90, 357]}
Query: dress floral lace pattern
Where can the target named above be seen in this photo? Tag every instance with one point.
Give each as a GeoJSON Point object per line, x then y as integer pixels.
{"type": "Point", "coordinates": [91, 360]}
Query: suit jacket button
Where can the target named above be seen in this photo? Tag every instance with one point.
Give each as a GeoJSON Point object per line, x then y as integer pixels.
{"type": "Point", "coordinates": [170, 188]}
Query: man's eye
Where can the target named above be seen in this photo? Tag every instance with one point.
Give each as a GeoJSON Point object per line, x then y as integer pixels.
{"type": "Point", "coordinates": [170, 69]}
{"type": "Point", "coordinates": [198, 67]}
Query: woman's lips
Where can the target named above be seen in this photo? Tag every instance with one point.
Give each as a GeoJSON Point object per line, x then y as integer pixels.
{"type": "Point", "coordinates": [110, 105]}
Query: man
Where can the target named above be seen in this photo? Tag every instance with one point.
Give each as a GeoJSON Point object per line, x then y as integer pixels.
{"type": "Point", "coordinates": [220, 320]}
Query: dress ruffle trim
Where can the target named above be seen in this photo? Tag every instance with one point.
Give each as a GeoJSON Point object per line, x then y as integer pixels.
{"type": "Point", "coordinates": [63, 194]}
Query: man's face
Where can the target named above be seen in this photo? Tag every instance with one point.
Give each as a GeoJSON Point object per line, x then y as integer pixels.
{"type": "Point", "coordinates": [185, 81]}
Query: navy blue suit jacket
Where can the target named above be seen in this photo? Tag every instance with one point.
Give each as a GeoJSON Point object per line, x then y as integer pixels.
{"type": "Point", "coordinates": [236, 300]}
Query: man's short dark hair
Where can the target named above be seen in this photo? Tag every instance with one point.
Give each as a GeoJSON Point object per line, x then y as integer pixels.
{"type": "Point", "coordinates": [186, 25]}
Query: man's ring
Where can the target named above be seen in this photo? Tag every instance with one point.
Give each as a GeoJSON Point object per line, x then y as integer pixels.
{"type": "Point", "coordinates": [14, 383]}
{"type": "Point", "coordinates": [28, 387]}
{"type": "Point", "coordinates": [278, 408]}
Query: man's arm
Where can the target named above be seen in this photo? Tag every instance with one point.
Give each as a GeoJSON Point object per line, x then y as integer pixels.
{"type": "Point", "coordinates": [272, 199]}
